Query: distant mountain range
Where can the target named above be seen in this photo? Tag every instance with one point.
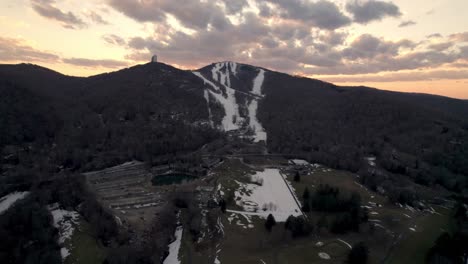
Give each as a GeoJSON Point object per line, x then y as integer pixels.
{"type": "Point", "coordinates": [155, 110]}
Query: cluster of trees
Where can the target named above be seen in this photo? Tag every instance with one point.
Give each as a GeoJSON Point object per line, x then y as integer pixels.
{"type": "Point", "coordinates": [298, 226]}
{"type": "Point", "coordinates": [27, 231]}
{"type": "Point", "coordinates": [348, 214]}
{"type": "Point", "coordinates": [451, 247]}
{"type": "Point", "coordinates": [27, 234]}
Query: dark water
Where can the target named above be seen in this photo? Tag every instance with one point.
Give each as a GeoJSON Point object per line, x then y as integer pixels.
{"type": "Point", "coordinates": [173, 178]}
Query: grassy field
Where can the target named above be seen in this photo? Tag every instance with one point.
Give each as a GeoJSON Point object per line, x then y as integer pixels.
{"type": "Point", "coordinates": [414, 247]}
{"type": "Point", "coordinates": [85, 249]}
{"type": "Point", "coordinates": [256, 245]}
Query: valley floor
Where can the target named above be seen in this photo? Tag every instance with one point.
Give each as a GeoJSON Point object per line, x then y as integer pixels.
{"type": "Point", "coordinates": [255, 187]}
{"type": "Point", "coordinates": [393, 234]}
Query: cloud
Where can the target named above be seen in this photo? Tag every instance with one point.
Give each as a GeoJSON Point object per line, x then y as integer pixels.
{"type": "Point", "coordinates": [96, 18]}
{"type": "Point", "coordinates": [322, 14]}
{"type": "Point", "coordinates": [192, 14]}
{"type": "Point", "coordinates": [367, 47]}
{"type": "Point", "coordinates": [93, 63]}
{"type": "Point", "coordinates": [233, 7]}
{"type": "Point", "coordinates": [142, 11]}
{"type": "Point", "coordinates": [114, 40]}
{"type": "Point", "coordinates": [17, 50]}
{"type": "Point", "coordinates": [47, 9]}
{"type": "Point", "coordinates": [404, 76]}
{"type": "Point", "coordinates": [434, 35]}
{"type": "Point", "coordinates": [367, 11]}
{"type": "Point", "coordinates": [14, 50]}
{"type": "Point", "coordinates": [440, 46]}
{"type": "Point", "coordinates": [388, 63]}
{"type": "Point", "coordinates": [407, 23]}
{"type": "Point", "coordinates": [459, 37]}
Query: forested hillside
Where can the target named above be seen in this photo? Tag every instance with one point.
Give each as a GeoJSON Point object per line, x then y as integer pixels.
{"type": "Point", "coordinates": [421, 136]}
{"type": "Point", "coordinates": [51, 122]}
{"type": "Point", "coordinates": [155, 112]}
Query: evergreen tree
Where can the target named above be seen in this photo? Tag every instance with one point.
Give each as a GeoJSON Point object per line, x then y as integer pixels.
{"type": "Point", "coordinates": [222, 205]}
{"type": "Point", "coordinates": [270, 222]}
{"type": "Point", "coordinates": [297, 177]}
{"type": "Point", "coordinates": [306, 206]}
{"type": "Point", "coordinates": [306, 194]}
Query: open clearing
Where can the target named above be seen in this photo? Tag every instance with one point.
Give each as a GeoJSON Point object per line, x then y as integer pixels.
{"type": "Point", "coordinates": [268, 194]}
{"type": "Point", "coordinates": [253, 190]}
{"type": "Point", "coordinates": [245, 239]}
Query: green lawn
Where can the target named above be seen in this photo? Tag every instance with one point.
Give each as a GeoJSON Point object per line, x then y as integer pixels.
{"type": "Point", "coordinates": [85, 249]}
{"type": "Point", "coordinates": [414, 247]}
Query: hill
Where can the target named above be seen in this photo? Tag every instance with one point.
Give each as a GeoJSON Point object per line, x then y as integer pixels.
{"type": "Point", "coordinates": [155, 112]}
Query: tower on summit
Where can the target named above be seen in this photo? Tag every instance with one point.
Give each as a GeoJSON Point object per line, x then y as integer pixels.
{"type": "Point", "coordinates": [154, 58]}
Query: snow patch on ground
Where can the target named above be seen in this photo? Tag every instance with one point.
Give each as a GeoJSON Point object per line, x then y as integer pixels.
{"type": "Point", "coordinates": [300, 162]}
{"type": "Point", "coordinates": [210, 115]}
{"type": "Point", "coordinates": [346, 243]}
{"type": "Point", "coordinates": [217, 261]}
{"type": "Point", "coordinates": [173, 257]}
{"type": "Point", "coordinates": [370, 161]}
{"type": "Point", "coordinates": [66, 222]}
{"type": "Point", "coordinates": [324, 255]}
{"type": "Point", "coordinates": [272, 196]}
{"type": "Point", "coordinates": [220, 226]}
{"type": "Point", "coordinates": [219, 189]}
{"type": "Point", "coordinates": [8, 200]}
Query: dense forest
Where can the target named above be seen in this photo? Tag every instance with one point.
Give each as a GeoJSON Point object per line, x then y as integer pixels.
{"type": "Point", "coordinates": [52, 122]}
{"type": "Point", "coordinates": [419, 136]}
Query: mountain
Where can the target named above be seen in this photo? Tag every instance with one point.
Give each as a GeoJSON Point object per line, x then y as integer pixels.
{"type": "Point", "coordinates": [156, 113]}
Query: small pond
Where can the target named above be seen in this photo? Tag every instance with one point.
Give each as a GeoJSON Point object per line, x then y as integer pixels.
{"type": "Point", "coordinates": [172, 178]}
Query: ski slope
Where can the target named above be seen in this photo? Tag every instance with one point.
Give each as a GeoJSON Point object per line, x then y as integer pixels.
{"type": "Point", "coordinates": [222, 91]}
{"type": "Point", "coordinates": [231, 109]}
{"type": "Point", "coordinates": [259, 131]}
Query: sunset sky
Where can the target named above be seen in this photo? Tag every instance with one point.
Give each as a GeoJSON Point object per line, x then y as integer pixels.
{"type": "Point", "coordinates": [411, 46]}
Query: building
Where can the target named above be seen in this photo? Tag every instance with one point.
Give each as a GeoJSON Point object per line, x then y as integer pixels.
{"type": "Point", "coordinates": [154, 58]}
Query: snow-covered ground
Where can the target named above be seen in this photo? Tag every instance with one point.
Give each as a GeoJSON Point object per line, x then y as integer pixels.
{"type": "Point", "coordinates": [66, 222]}
{"type": "Point", "coordinates": [300, 162]}
{"type": "Point", "coordinates": [270, 196]}
{"type": "Point", "coordinates": [222, 91]}
{"type": "Point", "coordinates": [173, 257]}
{"type": "Point", "coordinates": [324, 255]}
{"type": "Point", "coordinates": [8, 200]}
{"type": "Point", "coordinates": [346, 243]}
{"type": "Point", "coordinates": [232, 117]}
{"type": "Point", "coordinates": [370, 161]}
{"type": "Point", "coordinates": [210, 115]}
{"type": "Point", "coordinates": [259, 131]}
